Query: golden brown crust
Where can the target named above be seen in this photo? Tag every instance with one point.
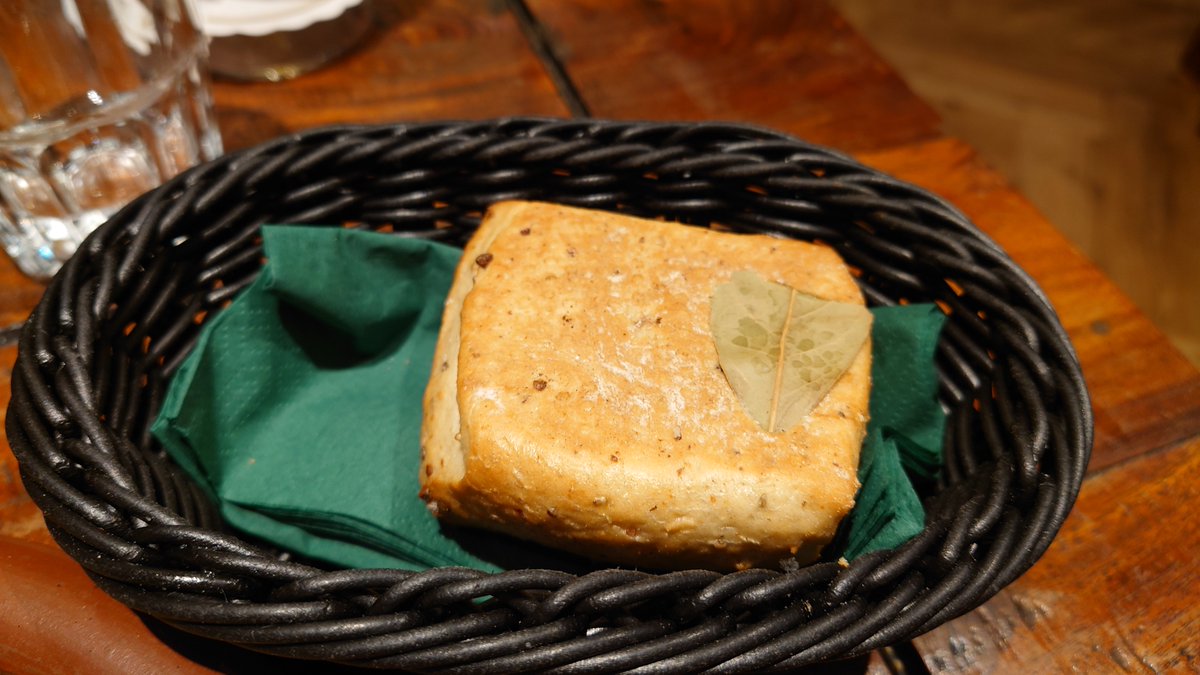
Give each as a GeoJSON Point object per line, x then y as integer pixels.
{"type": "Point", "coordinates": [576, 398]}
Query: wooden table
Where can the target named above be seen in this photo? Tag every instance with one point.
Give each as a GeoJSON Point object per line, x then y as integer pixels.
{"type": "Point", "coordinates": [1118, 588]}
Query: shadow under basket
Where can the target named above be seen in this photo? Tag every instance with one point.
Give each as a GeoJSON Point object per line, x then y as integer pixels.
{"type": "Point", "coordinates": [123, 313]}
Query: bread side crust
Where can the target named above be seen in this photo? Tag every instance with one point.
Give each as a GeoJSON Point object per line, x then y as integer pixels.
{"type": "Point", "coordinates": [442, 450]}
{"type": "Point", "coordinates": [577, 401]}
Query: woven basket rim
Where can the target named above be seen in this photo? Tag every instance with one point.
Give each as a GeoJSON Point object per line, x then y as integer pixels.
{"type": "Point", "coordinates": [136, 532]}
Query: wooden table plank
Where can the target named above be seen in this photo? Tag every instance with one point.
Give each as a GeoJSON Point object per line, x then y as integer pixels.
{"type": "Point", "coordinates": [19, 516]}
{"type": "Point", "coordinates": [449, 59]}
{"type": "Point", "coordinates": [1115, 592]}
{"type": "Point", "coordinates": [1145, 394]}
{"type": "Point", "coordinates": [794, 66]}
{"type": "Point", "coordinates": [18, 293]}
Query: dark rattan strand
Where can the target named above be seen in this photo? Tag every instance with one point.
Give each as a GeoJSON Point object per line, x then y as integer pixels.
{"type": "Point", "coordinates": [97, 353]}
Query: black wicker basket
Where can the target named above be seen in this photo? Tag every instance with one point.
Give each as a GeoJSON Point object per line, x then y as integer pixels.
{"type": "Point", "coordinates": [123, 313]}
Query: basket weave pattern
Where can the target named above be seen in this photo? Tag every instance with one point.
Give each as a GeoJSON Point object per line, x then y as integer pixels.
{"type": "Point", "coordinates": [96, 355]}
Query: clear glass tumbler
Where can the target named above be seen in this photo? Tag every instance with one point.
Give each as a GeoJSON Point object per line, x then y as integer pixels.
{"type": "Point", "coordinates": [100, 101]}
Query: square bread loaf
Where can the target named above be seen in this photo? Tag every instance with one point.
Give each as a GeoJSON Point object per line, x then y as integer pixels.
{"type": "Point", "coordinates": [576, 397]}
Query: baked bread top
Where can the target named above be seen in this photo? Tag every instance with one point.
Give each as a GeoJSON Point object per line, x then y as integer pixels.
{"type": "Point", "coordinates": [577, 400]}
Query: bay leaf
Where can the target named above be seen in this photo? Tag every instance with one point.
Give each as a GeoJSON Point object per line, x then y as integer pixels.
{"type": "Point", "coordinates": [783, 350]}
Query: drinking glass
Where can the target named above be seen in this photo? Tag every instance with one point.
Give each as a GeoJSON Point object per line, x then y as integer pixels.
{"type": "Point", "coordinates": [277, 40]}
{"type": "Point", "coordinates": [100, 101]}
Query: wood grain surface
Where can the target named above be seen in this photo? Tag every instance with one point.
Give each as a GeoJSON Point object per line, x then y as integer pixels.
{"type": "Point", "coordinates": [19, 516]}
{"type": "Point", "coordinates": [428, 59]}
{"type": "Point", "coordinates": [794, 66]}
{"type": "Point", "coordinates": [18, 294]}
{"type": "Point", "coordinates": [1116, 592]}
{"type": "Point", "coordinates": [1087, 106]}
{"type": "Point", "coordinates": [1109, 594]}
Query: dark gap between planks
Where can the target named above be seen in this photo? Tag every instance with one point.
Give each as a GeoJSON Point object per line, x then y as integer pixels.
{"type": "Point", "coordinates": [539, 42]}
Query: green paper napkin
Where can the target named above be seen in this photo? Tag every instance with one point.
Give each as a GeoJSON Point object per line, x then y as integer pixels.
{"type": "Point", "coordinates": [905, 431]}
{"type": "Point", "coordinates": [299, 409]}
{"type": "Point", "coordinates": [300, 406]}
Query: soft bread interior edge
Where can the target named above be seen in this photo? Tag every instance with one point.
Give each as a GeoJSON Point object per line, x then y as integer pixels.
{"type": "Point", "coordinates": [444, 445]}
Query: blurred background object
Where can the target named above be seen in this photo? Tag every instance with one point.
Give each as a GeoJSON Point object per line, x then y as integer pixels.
{"type": "Point", "coordinates": [1091, 107]}
{"type": "Point", "coordinates": [278, 40]}
{"type": "Point", "coordinates": [99, 102]}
